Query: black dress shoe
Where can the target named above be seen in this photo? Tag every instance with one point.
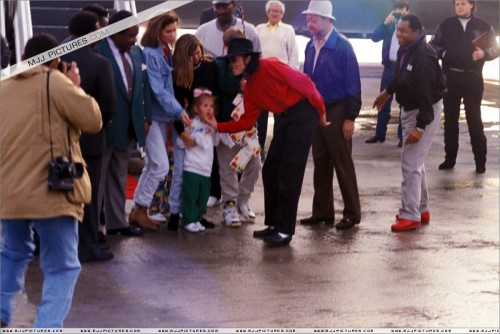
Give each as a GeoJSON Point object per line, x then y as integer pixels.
{"type": "Point", "coordinates": [313, 220]}
{"type": "Point", "coordinates": [447, 165]}
{"type": "Point", "coordinates": [400, 143]}
{"type": "Point", "coordinates": [262, 233]}
{"type": "Point", "coordinates": [374, 139]}
{"type": "Point", "coordinates": [131, 231]}
{"type": "Point", "coordinates": [96, 256]}
{"type": "Point", "coordinates": [346, 224]}
{"type": "Point", "coordinates": [276, 240]}
{"type": "Point", "coordinates": [206, 223]}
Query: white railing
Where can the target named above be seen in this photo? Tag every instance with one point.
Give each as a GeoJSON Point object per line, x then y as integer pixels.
{"type": "Point", "coordinates": [125, 5]}
{"type": "Point", "coordinates": [23, 29]}
{"type": "Point", "coordinates": [3, 19]}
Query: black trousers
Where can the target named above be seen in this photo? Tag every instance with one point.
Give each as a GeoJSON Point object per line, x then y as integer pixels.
{"type": "Point", "coordinates": [468, 86]}
{"type": "Point", "coordinates": [88, 245]}
{"type": "Point", "coordinates": [285, 164]}
{"type": "Point", "coordinates": [215, 189]}
{"type": "Point", "coordinates": [262, 122]}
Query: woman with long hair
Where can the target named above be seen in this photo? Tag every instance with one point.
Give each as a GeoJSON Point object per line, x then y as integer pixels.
{"type": "Point", "coordinates": [164, 109]}
{"type": "Point", "coordinates": [167, 36]}
{"type": "Point", "coordinates": [193, 69]}
{"type": "Point", "coordinates": [273, 85]}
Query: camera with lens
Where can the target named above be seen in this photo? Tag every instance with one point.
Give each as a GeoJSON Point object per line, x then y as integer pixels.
{"type": "Point", "coordinates": [61, 68]}
{"type": "Point", "coordinates": [397, 16]}
{"type": "Point", "coordinates": [62, 172]}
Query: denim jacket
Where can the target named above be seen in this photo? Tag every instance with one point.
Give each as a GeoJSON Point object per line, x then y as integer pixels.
{"type": "Point", "coordinates": [164, 106]}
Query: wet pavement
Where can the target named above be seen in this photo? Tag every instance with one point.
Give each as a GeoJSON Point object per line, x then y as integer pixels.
{"type": "Point", "coordinates": [445, 274]}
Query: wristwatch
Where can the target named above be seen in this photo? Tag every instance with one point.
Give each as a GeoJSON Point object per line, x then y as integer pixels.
{"type": "Point", "coordinates": [420, 130]}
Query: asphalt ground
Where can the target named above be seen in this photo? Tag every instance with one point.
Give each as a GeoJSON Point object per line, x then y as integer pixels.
{"type": "Point", "coordinates": [443, 275]}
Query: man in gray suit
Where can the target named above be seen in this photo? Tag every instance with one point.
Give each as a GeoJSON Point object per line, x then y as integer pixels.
{"type": "Point", "coordinates": [130, 124]}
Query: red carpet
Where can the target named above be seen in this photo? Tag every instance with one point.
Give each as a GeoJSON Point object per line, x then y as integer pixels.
{"type": "Point", "coordinates": [131, 185]}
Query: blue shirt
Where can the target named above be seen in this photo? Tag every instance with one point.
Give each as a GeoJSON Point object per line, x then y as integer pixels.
{"type": "Point", "coordinates": [336, 74]}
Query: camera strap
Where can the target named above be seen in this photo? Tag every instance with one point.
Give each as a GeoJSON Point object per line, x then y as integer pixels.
{"type": "Point", "coordinates": [50, 124]}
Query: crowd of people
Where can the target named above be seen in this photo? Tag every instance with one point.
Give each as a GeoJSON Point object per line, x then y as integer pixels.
{"type": "Point", "coordinates": [211, 94]}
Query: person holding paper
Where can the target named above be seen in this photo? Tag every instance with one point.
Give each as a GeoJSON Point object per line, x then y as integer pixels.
{"type": "Point", "coordinates": [273, 85]}
{"type": "Point", "coordinates": [464, 42]}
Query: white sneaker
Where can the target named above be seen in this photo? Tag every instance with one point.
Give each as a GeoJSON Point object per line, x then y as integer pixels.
{"type": "Point", "coordinates": [213, 201]}
{"type": "Point", "coordinates": [246, 211]}
{"type": "Point", "coordinates": [200, 227]}
{"type": "Point", "coordinates": [230, 216]}
{"type": "Point", "coordinates": [159, 217]}
{"type": "Point", "coordinates": [192, 227]}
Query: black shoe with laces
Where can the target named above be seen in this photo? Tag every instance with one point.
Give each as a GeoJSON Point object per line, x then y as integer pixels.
{"type": "Point", "coordinates": [447, 165]}
{"type": "Point", "coordinates": [375, 139]}
{"type": "Point", "coordinates": [129, 231]}
{"type": "Point", "coordinates": [262, 233]}
{"type": "Point", "coordinates": [276, 240]}
{"type": "Point", "coordinates": [206, 223]}
{"type": "Point", "coordinates": [95, 256]}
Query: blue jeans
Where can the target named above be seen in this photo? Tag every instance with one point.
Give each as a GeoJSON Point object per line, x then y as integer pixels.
{"type": "Point", "coordinates": [58, 261]}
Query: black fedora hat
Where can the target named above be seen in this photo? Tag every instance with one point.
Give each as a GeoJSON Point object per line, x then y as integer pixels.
{"type": "Point", "coordinates": [240, 47]}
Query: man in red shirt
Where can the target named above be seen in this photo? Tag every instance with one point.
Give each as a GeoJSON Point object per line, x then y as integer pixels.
{"type": "Point", "coordinates": [293, 98]}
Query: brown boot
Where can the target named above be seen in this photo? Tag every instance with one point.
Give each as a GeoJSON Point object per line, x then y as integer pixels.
{"type": "Point", "coordinates": [139, 217]}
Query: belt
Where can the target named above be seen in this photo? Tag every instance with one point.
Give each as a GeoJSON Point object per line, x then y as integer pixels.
{"type": "Point", "coordinates": [460, 70]}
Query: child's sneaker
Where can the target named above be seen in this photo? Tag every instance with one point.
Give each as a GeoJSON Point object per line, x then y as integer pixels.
{"type": "Point", "coordinates": [213, 201]}
{"type": "Point", "coordinates": [246, 211]}
{"type": "Point", "coordinates": [200, 227]}
{"type": "Point", "coordinates": [230, 216]}
{"type": "Point", "coordinates": [192, 227]}
{"type": "Point", "coordinates": [158, 217]}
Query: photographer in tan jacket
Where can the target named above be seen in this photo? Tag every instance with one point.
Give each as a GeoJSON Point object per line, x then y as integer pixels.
{"type": "Point", "coordinates": [29, 131]}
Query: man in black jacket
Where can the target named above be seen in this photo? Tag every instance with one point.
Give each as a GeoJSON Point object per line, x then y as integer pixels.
{"type": "Point", "coordinates": [419, 87]}
{"type": "Point", "coordinates": [463, 62]}
{"type": "Point", "coordinates": [97, 81]}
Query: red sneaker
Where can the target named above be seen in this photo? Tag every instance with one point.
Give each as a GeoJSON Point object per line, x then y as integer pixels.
{"type": "Point", "coordinates": [425, 217]}
{"type": "Point", "coordinates": [405, 225]}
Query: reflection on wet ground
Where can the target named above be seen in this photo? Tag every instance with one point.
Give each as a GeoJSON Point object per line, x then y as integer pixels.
{"type": "Point", "coordinates": [445, 274]}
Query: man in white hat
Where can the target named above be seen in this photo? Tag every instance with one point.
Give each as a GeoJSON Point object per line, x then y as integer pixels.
{"type": "Point", "coordinates": [332, 65]}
